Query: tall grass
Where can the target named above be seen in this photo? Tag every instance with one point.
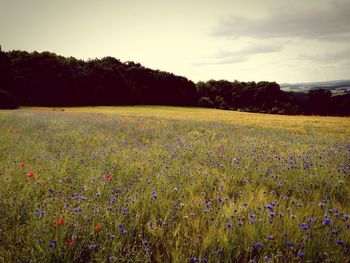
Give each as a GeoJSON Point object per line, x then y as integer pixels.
{"type": "Point", "coordinates": [166, 184]}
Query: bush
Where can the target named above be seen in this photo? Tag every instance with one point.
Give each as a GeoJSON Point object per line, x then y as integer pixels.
{"type": "Point", "coordinates": [205, 102]}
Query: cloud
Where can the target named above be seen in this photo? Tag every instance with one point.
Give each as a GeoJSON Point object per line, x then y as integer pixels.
{"type": "Point", "coordinates": [329, 57]}
{"type": "Point", "coordinates": [239, 56]}
{"type": "Point", "coordinates": [333, 21]}
{"type": "Point", "coordinates": [250, 50]}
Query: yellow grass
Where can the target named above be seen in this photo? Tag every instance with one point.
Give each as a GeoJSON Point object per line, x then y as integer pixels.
{"type": "Point", "coordinates": [338, 127]}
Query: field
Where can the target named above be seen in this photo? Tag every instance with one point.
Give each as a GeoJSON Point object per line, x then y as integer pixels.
{"type": "Point", "coordinates": [166, 184]}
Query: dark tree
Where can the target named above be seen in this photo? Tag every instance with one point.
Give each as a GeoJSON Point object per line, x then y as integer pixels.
{"type": "Point", "coordinates": [47, 79]}
{"type": "Point", "coordinates": [319, 102]}
{"type": "Point", "coordinates": [7, 101]}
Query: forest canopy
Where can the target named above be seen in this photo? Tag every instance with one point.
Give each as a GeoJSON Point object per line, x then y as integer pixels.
{"type": "Point", "coordinates": [47, 79]}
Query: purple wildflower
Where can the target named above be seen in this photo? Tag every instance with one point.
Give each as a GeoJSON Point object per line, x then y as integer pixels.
{"type": "Point", "coordinates": [271, 214]}
{"type": "Point", "coordinates": [53, 244]}
{"type": "Point", "coordinates": [289, 244]}
{"type": "Point", "coordinates": [327, 222]}
{"type": "Point", "coordinates": [300, 254]}
{"type": "Point", "coordinates": [340, 242]}
{"type": "Point", "coordinates": [257, 245]}
{"type": "Point", "coordinates": [304, 226]}
{"type": "Point", "coordinates": [345, 217]}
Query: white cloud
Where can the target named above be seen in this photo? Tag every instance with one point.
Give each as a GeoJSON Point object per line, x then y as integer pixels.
{"type": "Point", "coordinates": [328, 57]}
{"type": "Point", "coordinates": [309, 23]}
{"type": "Point", "coordinates": [237, 56]}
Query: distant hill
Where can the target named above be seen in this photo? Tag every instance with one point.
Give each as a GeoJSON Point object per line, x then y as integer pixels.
{"type": "Point", "coordinates": [337, 87]}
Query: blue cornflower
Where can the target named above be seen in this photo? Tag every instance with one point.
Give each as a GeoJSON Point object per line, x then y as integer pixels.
{"type": "Point", "coordinates": [304, 226]}
{"type": "Point", "coordinates": [257, 245]}
{"type": "Point", "coordinates": [335, 231]}
{"type": "Point", "coordinates": [311, 219]}
{"type": "Point", "coordinates": [53, 244]}
{"type": "Point", "coordinates": [40, 213]}
{"type": "Point", "coordinates": [208, 203]}
{"type": "Point", "coordinates": [122, 229]}
{"type": "Point", "coordinates": [340, 242]}
{"type": "Point", "coordinates": [270, 207]}
{"type": "Point", "coordinates": [194, 259]}
{"type": "Point", "coordinates": [306, 166]}
{"type": "Point", "coordinates": [300, 254]}
{"type": "Point", "coordinates": [304, 191]}
{"type": "Point", "coordinates": [251, 218]}
{"type": "Point", "coordinates": [327, 222]}
{"type": "Point", "coordinates": [124, 211]}
{"type": "Point", "coordinates": [77, 209]}
{"type": "Point", "coordinates": [345, 217]}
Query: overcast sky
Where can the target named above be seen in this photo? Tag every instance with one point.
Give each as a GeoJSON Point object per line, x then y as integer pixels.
{"type": "Point", "coordinates": [275, 40]}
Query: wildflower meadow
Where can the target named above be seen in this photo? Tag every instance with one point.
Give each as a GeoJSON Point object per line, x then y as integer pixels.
{"type": "Point", "coordinates": [168, 184]}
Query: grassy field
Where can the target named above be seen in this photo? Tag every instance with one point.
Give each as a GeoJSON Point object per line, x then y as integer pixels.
{"type": "Point", "coordinates": [168, 184]}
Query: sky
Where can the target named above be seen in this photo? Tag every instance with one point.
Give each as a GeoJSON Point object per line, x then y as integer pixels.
{"type": "Point", "coordinates": [247, 40]}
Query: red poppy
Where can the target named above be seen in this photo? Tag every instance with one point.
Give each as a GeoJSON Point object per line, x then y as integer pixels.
{"type": "Point", "coordinates": [22, 165]}
{"type": "Point", "coordinates": [107, 177]}
{"type": "Point", "coordinates": [59, 222]}
{"type": "Point", "coordinates": [98, 228]}
{"type": "Point", "coordinates": [70, 242]}
{"type": "Point", "coordinates": [30, 175]}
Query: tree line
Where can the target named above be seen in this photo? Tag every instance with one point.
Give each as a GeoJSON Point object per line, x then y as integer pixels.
{"type": "Point", "coordinates": [267, 97]}
{"type": "Point", "coordinates": [47, 79]}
